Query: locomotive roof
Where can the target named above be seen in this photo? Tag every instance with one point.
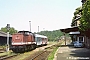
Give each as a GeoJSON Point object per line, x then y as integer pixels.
{"type": "Point", "coordinates": [24, 31]}
{"type": "Point", "coordinates": [37, 35]}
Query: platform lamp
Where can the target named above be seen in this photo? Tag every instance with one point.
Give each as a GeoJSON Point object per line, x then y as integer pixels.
{"type": "Point", "coordinates": [8, 28]}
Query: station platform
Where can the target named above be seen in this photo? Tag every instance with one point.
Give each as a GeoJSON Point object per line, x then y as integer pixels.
{"type": "Point", "coordinates": [68, 52]}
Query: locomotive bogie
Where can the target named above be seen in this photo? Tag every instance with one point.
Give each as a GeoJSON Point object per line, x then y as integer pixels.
{"type": "Point", "coordinates": [18, 48]}
{"type": "Point", "coordinates": [23, 48]}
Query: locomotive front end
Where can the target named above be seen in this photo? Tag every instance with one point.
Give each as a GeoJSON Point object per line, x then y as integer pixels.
{"type": "Point", "coordinates": [17, 39]}
{"type": "Point", "coordinates": [17, 42]}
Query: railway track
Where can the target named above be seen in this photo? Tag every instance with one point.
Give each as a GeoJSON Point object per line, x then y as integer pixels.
{"type": "Point", "coordinates": [44, 54]}
{"type": "Point", "coordinates": [2, 50]}
{"type": "Point", "coordinates": [41, 56]}
{"type": "Point", "coordinates": [7, 57]}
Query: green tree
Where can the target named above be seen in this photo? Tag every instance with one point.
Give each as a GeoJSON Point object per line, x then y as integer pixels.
{"type": "Point", "coordinates": [52, 35]}
{"type": "Point", "coordinates": [85, 18]}
{"type": "Point", "coordinates": [77, 14]}
{"type": "Point", "coordinates": [77, 11]}
{"type": "Point", "coordinates": [11, 30]}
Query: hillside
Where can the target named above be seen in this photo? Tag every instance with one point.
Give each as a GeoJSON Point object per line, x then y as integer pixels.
{"type": "Point", "coordinates": [52, 35]}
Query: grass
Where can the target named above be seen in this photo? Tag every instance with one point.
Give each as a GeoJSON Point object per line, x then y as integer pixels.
{"type": "Point", "coordinates": [52, 42]}
{"type": "Point", "coordinates": [51, 56]}
{"type": "Point", "coordinates": [2, 46]}
{"type": "Point", "coordinates": [6, 53]}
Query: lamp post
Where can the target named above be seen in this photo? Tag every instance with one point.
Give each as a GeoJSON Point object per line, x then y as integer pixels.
{"type": "Point", "coordinates": [65, 38]}
{"type": "Point", "coordinates": [30, 25]}
{"type": "Point", "coordinates": [38, 28]}
{"type": "Point", "coordinates": [43, 29]}
{"type": "Point", "coordinates": [8, 27]}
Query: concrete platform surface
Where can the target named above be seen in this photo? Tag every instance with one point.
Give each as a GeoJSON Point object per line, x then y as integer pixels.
{"type": "Point", "coordinates": [71, 53]}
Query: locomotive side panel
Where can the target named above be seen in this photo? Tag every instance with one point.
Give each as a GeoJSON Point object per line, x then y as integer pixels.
{"type": "Point", "coordinates": [26, 39]}
{"type": "Point", "coordinates": [31, 39]}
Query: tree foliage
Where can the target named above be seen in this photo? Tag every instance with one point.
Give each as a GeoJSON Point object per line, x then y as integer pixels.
{"type": "Point", "coordinates": [52, 35]}
{"type": "Point", "coordinates": [77, 10]}
{"type": "Point", "coordinates": [85, 18]}
{"type": "Point", "coordinates": [11, 30]}
{"type": "Point", "coordinates": [76, 13]}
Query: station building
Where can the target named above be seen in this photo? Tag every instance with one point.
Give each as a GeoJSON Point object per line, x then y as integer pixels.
{"type": "Point", "coordinates": [75, 33]}
{"type": "Point", "coordinates": [3, 38]}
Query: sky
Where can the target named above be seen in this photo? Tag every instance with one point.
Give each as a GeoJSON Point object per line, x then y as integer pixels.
{"type": "Point", "coordinates": [47, 14]}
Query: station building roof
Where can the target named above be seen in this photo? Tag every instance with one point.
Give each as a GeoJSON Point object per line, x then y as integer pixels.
{"type": "Point", "coordinates": [72, 29]}
{"type": "Point", "coordinates": [3, 34]}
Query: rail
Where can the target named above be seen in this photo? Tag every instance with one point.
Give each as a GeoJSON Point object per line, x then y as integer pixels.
{"type": "Point", "coordinates": [7, 57]}
{"type": "Point", "coordinates": [38, 55]}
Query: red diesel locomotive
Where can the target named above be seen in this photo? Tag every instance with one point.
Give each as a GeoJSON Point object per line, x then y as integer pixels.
{"type": "Point", "coordinates": [25, 41]}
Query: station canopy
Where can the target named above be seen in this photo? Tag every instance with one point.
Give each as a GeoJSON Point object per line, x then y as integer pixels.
{"type": "Point", "coordinates": [73, 33]}
{"type": "Point", "coordinates": [72, 29]}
